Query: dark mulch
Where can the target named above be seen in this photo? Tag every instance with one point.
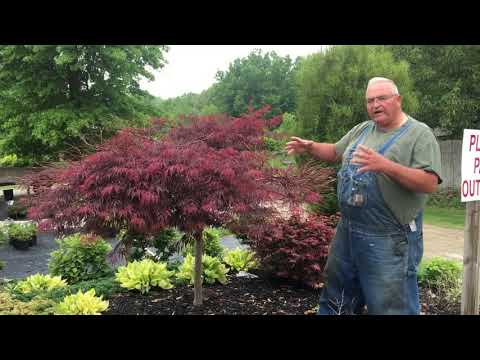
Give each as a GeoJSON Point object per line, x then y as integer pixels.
{"type": "Point", "coordinates": [243, 296]}
{"type": "Point", "coordinates": [240, 297]}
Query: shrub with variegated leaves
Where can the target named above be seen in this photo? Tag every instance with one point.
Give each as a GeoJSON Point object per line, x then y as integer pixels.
{"type": "Point", "coordinates": [144, 275]}
{"type": "Point", "coordinates": [81, 304]}
{"type": "Point", "coordinates": [40, 283]}
{"type": "Point", "coordinates": [240, 259]}
{"type": "Point", "coordinates": [212, 270]}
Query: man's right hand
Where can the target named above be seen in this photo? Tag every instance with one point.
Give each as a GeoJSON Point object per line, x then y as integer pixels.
{"type": "Point", "coordinates": [298, 146]}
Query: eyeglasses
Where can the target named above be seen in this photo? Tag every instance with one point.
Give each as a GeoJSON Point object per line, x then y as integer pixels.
{"type": "Point", "coordinates": [381, 99]}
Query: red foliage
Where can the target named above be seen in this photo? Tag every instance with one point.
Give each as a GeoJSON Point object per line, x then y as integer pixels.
{"type": "Point", "coordinates": [292, 248]}
{"type": "Point", "coordinates": [202, 174]}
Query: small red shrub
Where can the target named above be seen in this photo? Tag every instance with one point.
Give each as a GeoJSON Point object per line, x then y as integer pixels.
{"type": "Point", "coordinates": [294, 249]}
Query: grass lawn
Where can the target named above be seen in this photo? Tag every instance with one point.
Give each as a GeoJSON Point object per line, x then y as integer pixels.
{"type": "Point", "coordinates": [444, 217]}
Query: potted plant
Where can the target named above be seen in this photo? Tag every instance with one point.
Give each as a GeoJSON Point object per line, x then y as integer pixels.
{"type": "Point", "coordinates": [22, 236]}
{"type": "Point", "coordinates": [17, 211]}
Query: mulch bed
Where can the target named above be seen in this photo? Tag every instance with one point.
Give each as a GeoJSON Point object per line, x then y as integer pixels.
{"type": "Point", "coordinates": [242, 296]}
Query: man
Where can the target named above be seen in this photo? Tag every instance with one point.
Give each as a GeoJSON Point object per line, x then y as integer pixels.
{"type": "Point", "coordinates": [389, 164]}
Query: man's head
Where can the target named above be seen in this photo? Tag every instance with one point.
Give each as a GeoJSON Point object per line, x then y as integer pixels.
{"type": "Point", "coordinates": [384, 103]}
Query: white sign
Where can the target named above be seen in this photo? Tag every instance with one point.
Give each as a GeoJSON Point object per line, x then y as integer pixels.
{"type": "Point", "coordinates": [470, 186]}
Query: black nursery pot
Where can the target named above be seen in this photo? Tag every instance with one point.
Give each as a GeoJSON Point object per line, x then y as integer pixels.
{"type": "Point", "coordinates": [8, 194]}
{"type": "Point", "coordinates": [23, 244]}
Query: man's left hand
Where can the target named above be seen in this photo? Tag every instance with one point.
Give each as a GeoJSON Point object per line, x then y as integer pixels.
{"type": "Point", "coordinates": [370, 159]}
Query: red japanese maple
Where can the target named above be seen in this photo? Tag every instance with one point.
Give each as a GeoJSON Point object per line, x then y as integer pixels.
{"type": "Point", "coordinates": [207, 173]}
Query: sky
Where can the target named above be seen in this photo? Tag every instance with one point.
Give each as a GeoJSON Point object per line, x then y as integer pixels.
{"type": "Point", "coordinates": [192, 68]}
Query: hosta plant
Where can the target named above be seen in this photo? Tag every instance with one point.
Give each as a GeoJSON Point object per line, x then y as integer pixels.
{"type": "Point", "coordinates": [81, 304]}
{"type": "Point", "coordinates": [40, 283]}
{"type": "Point", "coordinates": [240, 259]}
{"type": "Point", "coordinates": [212, 270]}
{"type": "Point", "coordinates": [143, 275]}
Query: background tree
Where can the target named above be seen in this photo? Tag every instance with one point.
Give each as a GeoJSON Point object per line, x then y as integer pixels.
{"type": "Point", "coordinates": [54, 97]}
{"type": "Point", "coordinates": [446, 79]}
{"type": "Point", "coordinates": [331, 88]}
{"type": "Point", "coordinates": [256, 80]}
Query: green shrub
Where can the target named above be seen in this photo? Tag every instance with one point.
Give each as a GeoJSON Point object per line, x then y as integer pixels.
{"type": "Point", "coordinates": [79, 258]}
{"type": "Point", "coordinates": [3, 237]}
{"type": "Point", "coordinates": [22, 232]}
{"type": "Point", "coordinates": [437, 273]}
{"type": "Point", "coordinates": [166, 243]}
{"type": "Point", "coordinates": [143, 275]}
{"type": "Point", "coordinates": [105, 287]}
{"type": "Point", "coordinates": [17, 211]}
{"type": "Point", "coordinates": [289, 125]}
{"type": "Point", "coordinates": [446, 199]}
{"type": "Point", "coordinates": [81, 304]}
{"type": "Point", "coordinates": [12, 306]}
{"type": "Point", "coordinates": [213, 270]}
{"type": "Point", "coordinates": [9, 161]}
{"type": "Point", "coordinates": [240, 259]}
{"type": "Point", "coordinates": [40, 283]}
{"type": "Point", "coordinates": [273, 145]}
{"type": "Point", "coordinates": [211, 243]}
{"type": "Point", "coordinates": [2, 264]}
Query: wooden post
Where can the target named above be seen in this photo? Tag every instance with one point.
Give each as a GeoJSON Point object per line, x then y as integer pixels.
{"type": "Point", "coordinates": [471, 260]}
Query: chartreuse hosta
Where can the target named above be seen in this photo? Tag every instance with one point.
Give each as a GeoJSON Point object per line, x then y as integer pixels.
{"type": "Point", "coordinates": [213, 270]}
{"type": "Point", "coordinates": [81, 304]}
{"type": "Point", "coordinates": [143, 275]}
{"type": "Point", "coordinates": [240, 259]}
{"type": "Point", "coordinates": [39, 283]}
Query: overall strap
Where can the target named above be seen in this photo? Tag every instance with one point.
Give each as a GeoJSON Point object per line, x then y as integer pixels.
{"type": "Point", "coordinates": [362, 136]}
{"type": "Point", "coordinates": [394, 137]}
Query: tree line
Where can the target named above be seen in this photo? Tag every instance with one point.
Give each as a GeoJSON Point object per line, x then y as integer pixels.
{"type": "Point", "coordinates": [58, 100]}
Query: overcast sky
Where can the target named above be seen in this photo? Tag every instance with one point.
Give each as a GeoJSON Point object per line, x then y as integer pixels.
{"type": "Point", "coordinates": [192, 68]}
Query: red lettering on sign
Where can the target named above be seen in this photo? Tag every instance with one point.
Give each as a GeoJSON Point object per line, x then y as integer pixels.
{"type": "Point", "coordinates": [473, 140]}
{"type": "Point", "coordinates": [471, 188]}
{"type": "Point", "coordinates": [476, 165]}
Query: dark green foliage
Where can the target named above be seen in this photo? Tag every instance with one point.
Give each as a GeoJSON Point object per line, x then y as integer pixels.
{"type": "Point", "coordinates": [446, 81]}
{"type": "Point", "coordinates": [105, 286]}
{"type": "Point", "coordinates": [446, 199]}
{"type": "Point", "coordinates": [17, 211]}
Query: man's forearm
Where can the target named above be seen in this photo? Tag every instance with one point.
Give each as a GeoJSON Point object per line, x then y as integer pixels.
{"type": "Point", "coordinates": [324, 152]}
{"type": "Point", "coordinates": [416, 180]}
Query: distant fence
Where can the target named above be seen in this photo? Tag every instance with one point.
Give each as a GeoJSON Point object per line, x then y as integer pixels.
{"type": "Point", "coordinates": [451, 163]}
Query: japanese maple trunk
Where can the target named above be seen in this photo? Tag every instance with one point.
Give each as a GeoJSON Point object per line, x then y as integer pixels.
{"type": "Point", "coordinates": [197, 285]}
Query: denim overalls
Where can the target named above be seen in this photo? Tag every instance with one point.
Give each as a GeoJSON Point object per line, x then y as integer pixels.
{"type": "Point", "coordinates": [373, 258]}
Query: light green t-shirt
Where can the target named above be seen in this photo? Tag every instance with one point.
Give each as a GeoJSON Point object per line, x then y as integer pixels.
{"type": "Point", "coordinates": [416, 148]}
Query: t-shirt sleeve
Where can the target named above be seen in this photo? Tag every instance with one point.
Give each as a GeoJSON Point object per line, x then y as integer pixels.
{"type": "Point", "coordinates": [427, 156]}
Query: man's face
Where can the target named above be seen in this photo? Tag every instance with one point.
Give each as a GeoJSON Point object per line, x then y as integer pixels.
{"type": "Point", "coordinates": [382, 106]}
